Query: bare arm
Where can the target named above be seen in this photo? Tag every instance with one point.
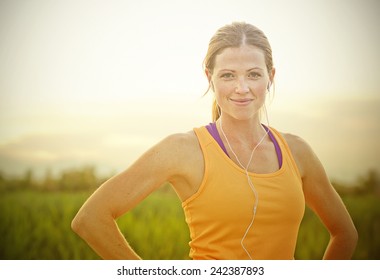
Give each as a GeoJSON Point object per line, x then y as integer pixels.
{"type": "Point", "coordinates": [322, 198]}
{"type": "Point", "coordinates": [95, 221]}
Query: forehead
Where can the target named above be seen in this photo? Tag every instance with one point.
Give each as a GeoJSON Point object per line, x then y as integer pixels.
{"type": "Point", "coordinates": [243, 57]}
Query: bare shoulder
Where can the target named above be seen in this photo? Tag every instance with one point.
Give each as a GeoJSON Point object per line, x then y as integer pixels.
{"type": "Point", "coordinates": [302, 152]}
{"type": "Point", "coordinates": [173, 153]}
{"type": "Point", "coordinates": [180, 145]}
{"type": "Point", "coordinates": [296, 143]}
{"type": "Point", "coordinates": [187, 161]}
{"type": "Point", "coordinates": [185, 138]}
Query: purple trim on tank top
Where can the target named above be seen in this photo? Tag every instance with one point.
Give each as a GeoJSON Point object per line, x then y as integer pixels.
{"type": "Point", "coordinates": [215, 134]}
{"type": "Point", "coordinates": [276, 145]}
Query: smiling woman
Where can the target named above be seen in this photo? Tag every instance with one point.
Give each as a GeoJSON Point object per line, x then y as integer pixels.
{"type": "Point", "coordinates": [244, 70]}
{"type": "Point", "coordinates": [245, 43]}
{"type": "Point", "coordinates": [239, 191]}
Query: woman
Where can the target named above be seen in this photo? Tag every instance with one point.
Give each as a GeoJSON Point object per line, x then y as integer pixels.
{"type": "Point", "coordinates": [243, 185]}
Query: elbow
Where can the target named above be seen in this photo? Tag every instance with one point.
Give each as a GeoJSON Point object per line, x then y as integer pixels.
{"type": "Point", "coordinates": [351, 237]}
{"type": "Point", "coordinates": [345, 242]}
{"type": "Point", "coordinates": [76, 224]}
{"type": "Point", "coordinates": [88, 222]}
{"type": "Point", "coordinates": [354, 236]}
{"type": "Point", "coordinates": [79, 224]}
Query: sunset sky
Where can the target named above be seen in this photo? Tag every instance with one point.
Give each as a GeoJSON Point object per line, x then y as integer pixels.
{"type": "Point", "coordinates": [99, 82]}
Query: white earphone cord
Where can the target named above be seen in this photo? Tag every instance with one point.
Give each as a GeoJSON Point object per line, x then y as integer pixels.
{"type": "Point", "coordinates": [250, 183]}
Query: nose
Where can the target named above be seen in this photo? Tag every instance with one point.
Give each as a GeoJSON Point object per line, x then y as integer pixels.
{"type": "Point", "coordinates": [242, 87]}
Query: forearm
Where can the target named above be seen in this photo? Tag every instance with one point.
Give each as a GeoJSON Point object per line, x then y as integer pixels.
{"type": "Point", "coordinates": [104, 237]}
{"type": "Point", "coordinates": [341, 247]}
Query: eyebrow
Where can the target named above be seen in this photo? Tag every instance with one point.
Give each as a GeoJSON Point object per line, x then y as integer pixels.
{"type": "Point", "coordinates": [229, 70]}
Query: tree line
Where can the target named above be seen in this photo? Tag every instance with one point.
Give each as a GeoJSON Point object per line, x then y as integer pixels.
{"type": "Point", "coordinates": [73, 179]}
{"type": "Point", "coordinates": [86, 179]}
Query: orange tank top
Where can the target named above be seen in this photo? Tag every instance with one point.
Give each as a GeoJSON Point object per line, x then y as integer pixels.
{"type": "Point", "coordinates": [219, 213]}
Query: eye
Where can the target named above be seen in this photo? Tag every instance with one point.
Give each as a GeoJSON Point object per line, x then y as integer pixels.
{"type": "Point", "coordinates": [254, 75]}
{"type": "Point", "coordinates": [227, 76]}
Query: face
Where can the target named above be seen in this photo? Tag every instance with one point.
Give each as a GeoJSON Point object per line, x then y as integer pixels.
{"type": "Point", "coordinates": [240, 80]}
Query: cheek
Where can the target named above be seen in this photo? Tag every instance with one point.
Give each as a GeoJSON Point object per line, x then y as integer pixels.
{"type": "Point", "coordinates": [220, 96]}
{"type": "Point", "coordinates": [262, 88]}
{"type": "Point", "coordinates": [223, 88]}
{"type": "Point", "coordinates": [259, 87]}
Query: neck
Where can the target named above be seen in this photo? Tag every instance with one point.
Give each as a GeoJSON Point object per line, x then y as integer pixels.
{"type": "Point", "coordinates": [242, 131]}
{"type": "Point", "coordinates": [253, 142]}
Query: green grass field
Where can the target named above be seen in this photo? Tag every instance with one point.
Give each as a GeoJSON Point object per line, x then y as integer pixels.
{"type": "Point", "coordinates": [36, 225]}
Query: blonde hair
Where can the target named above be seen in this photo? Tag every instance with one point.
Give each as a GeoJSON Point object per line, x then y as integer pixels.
{"type": "Point", "coordinates": [232, 36]}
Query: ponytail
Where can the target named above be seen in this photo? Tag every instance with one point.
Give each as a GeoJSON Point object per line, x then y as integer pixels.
{"type": "Point", "coordinates": [215, 111]}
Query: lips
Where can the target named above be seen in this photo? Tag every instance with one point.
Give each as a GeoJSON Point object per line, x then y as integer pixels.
{"type": "Point", "coordinates": [241, 102]}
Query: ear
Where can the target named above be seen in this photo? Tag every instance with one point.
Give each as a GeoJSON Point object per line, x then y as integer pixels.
{"type": "Point", "coordinates": [271, 75]}
{"type": "Point", "coordinates": [208, 75]}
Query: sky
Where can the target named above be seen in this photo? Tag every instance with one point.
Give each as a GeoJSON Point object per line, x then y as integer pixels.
{"type": "Point", "coordinates": [99, 82]}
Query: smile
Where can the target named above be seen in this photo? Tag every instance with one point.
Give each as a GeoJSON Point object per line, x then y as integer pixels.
{"type": "Point", "coordinates": [241, 102]}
